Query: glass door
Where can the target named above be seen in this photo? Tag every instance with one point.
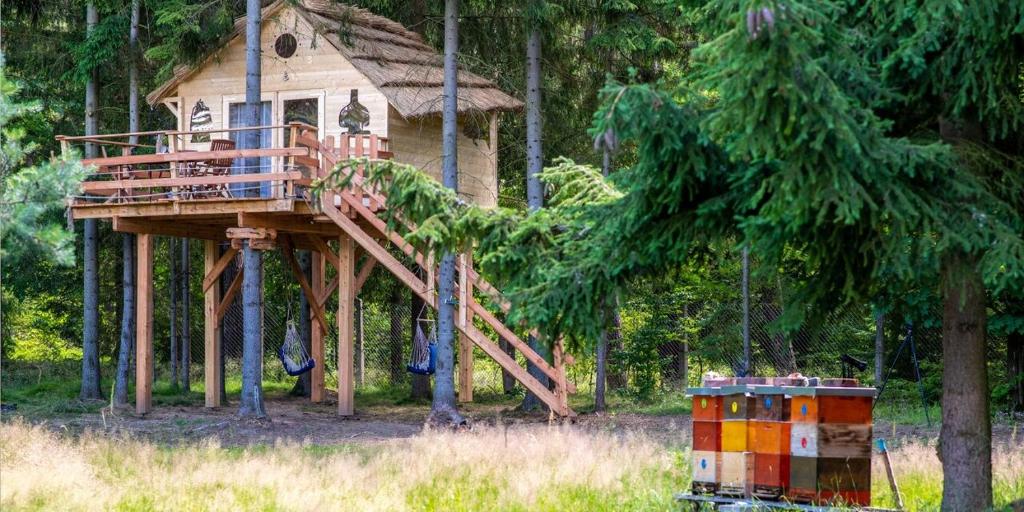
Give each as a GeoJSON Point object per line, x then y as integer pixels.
{"type": "Point", "coordinates": [236, 112]}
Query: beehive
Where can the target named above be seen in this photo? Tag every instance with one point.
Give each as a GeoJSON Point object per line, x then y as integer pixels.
{"type": "Point", "coordinates": [705, 471]}
{"type": "Point", "coordinates": [736, 474]}
{"type": "Point", "coordinates": [830, 445]}
{"type": "Point", "coordinates": [707, 438]}
{"type": "Point", "coordinates": [767, 439]}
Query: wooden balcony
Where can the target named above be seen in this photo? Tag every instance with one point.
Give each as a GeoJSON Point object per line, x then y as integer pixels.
{"type": "Point", "coordinates": [163, 173]}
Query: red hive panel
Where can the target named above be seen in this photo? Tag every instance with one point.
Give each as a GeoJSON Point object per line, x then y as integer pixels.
{"type": "Point", "coordinates": [707, 436]}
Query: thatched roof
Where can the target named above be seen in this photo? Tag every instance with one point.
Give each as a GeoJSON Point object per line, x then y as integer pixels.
{"type": "Point", "coordinates": [395, 59]}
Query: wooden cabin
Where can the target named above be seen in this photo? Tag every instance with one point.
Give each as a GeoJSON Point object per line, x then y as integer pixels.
{"type": "Point", "coordinates": [337, 82]}
{"type": "Point", "coordinates": [344, 70]}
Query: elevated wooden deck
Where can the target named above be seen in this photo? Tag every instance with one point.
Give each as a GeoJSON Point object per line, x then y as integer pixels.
{"type": "Point", "coordinates": [205, 195]}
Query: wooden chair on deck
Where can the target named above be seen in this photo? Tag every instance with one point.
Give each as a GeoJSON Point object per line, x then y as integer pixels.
{"type": "Point", "coordinates": [217, 167]}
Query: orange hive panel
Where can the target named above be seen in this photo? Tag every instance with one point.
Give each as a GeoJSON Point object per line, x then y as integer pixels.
{"type": "Point", "coordinates": [707, 408]}
{"type": "Point", "coordinates": [844, 409]}
{"type": "Point", "coordinates": [803, 409]}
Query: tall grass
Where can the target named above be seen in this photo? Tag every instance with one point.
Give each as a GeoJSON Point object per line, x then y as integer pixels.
{"type": "Point", "coordinates": [487, 469]}
{"type": "Point", "coordinates": [497, 468]}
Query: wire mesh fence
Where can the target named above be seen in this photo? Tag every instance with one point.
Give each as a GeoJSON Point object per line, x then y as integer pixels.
{"type": "Point", "coordinates": [663, 346]}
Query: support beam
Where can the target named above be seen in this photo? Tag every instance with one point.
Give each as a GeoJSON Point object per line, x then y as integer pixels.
{"type": "Point", "coordinates": [177, 229]}
{"type": "Point", "coordinates": [287, 223]}
{"type": "Point", "coordinates": [320, 245]}
{"type": "Point", "coordinates": [144, 325]}
{"type": "Point", "coordinates": [314, 306]}
{"type": "Point", "coordinates": [229, 295]}
{"type": "Point", "coordinates": [364, 274]}
{"type": "Point", "coordinates": [213, 274]}
{"type": "Point", "coordinates": [212, 334]}
{"type": "Point", "coordinates": [465, 316]}
{"type": "Point", "coordinates": [316, 392]}
{"type": "Point", "coordinates": [346, 315]}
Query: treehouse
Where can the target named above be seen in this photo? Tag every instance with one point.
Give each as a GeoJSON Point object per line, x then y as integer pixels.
{"type": "Point", "coordinates": [337, 82]}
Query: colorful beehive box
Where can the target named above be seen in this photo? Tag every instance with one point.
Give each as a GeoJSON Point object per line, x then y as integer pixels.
{"type": "Point", "coordinates": [707, 407]}
{"type": "Point", "coordinates": [770, 404]}
{"type": "Point", "coordinates": [705, 471]}
{"type": "Point", "coordinates": [830, 445]}
{"type": "Point", "coordinates": [707, 437]}
{"type": "Point", "coordinates": [771, 475]}
{"type": "Point", "coordinates": [736, 475]}
{"type": "Point", "coordinates": [769, 440]}
{"type": "Point", "coordinates": [738, 403]}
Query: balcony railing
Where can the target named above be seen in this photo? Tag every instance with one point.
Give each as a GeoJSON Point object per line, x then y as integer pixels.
{"type": "Point", "coordinates": [161, 166]}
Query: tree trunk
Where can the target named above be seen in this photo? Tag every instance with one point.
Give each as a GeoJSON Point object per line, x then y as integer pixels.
{"type": "Point", "coordinates": [508, 382]}
{"type": "Point", "coordinates": [444, 409]}
{"type": "Point", "coordinates": [420, 383]}
{"type": "Point", "coordinates": [303, 385]}
{"type": "Point", "coordinates": [253, 96]}
{"type": "Point", "coordinates": [91, 285]}
{"type": "Point", "coordinates": [251, 403]}
{"type": "Point", "coordinates": [186, 321]}
{"type": "Point", "coordinates": [534, 165]}
{"type": "Point", "coordinates": [172, 259]}
{"type": "Point", "coordinates": [127, 341]}
{"type": "Point", "coordinates": [127, 320]}
{"type": "Point", "coordinates": [395, 337]}
{"type": "Point", "coordinates": [965, 441]}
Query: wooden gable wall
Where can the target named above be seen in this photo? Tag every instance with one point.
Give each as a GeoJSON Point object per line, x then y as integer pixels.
{"type": "Point", "coordinates": [316, 69]}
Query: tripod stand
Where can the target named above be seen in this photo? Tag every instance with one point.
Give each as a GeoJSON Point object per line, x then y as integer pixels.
{"type": "Point", "coordinates": [908, 339]}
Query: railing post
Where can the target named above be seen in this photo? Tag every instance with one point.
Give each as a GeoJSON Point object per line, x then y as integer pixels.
{"type": "Point", "coordinates": [465, 317]}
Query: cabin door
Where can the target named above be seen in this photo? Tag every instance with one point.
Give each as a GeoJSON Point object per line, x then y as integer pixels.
{"type": "Point", "coordinates": [235, 120]}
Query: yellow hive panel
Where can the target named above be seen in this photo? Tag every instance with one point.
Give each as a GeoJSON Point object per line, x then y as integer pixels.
{"type": "Point", "coordinates": [734, 436]}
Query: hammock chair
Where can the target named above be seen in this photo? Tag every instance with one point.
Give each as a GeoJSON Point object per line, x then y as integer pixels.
{"type": "Point", "coordinates": [292, 354]}
{"type": "Point", "coordinates": [424, 351]}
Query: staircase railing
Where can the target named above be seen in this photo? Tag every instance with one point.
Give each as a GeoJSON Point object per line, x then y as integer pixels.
{"type": "Point", "coordinates": [362, 202]}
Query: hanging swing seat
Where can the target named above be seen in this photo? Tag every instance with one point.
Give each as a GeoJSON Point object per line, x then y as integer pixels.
{"type": "Point", "coordinates": [424, 353]}
{"type": "Point", "coordinates": [293, 355]}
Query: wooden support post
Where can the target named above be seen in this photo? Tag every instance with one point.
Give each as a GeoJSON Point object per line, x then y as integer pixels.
{"type": "Point", "coordinates": [465, 316]}
{"type": "Point", "coordinates": [558, 357]}
{"type": "Point", "coordinates": [211, 324]}
{"type": "Point", "coordinates": [316, 393]}
{"type": "Point", "coordinates": [144, 326]}
{"type": "Point", "coordinates": [346, 315]}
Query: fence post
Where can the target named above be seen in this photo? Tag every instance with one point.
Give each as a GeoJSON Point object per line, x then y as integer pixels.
{"type": "Point", "coordinates": [746, 311]}
{"type": "Point", "coordinates": [879, 347]}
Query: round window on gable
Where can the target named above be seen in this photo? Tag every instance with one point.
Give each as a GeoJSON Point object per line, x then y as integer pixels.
{"type": "Point", "coordinates": [285, 45]}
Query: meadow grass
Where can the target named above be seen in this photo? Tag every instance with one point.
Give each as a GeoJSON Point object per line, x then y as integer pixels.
{"type": "Point", "coordinates": [489, 468]}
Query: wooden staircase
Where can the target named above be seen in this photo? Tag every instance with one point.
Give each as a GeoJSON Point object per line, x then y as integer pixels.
{"type": "Point", "coordinates": [356, 206]}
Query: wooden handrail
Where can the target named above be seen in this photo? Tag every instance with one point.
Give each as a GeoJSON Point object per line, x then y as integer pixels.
{"type": "Point", "coordinates": [109, 135]}
{"type": "Point", "coordinates": [235, 129]}
{"type": "Point", "coordinates": [190, 156]}
{"type": "Point", "coordinates": [95, 186]}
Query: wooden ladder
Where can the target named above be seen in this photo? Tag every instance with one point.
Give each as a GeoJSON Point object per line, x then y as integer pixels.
{"type": "Point", "coordinates": [360, 202]}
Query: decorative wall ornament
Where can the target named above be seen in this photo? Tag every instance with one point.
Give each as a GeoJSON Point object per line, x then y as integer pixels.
{"type": "Point", "coordinates": [285, 45]}
{"type": "Point", "coordinates": [200, 120]}
{"type": "Point", "coordinates": [354, 118]}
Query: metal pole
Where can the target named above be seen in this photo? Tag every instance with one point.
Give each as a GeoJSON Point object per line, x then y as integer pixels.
{"type": "Point", "coordinates": [917, 373]}
{"type": "Point", "coordinates": [746, 311]}
{"type": "Point", "coordinates": [879, 347]}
